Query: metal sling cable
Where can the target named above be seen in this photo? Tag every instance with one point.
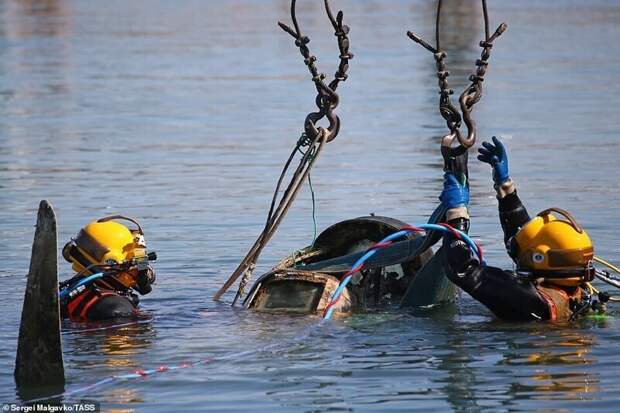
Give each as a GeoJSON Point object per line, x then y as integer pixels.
{"type": "Point", "coordinates": [312, 139]}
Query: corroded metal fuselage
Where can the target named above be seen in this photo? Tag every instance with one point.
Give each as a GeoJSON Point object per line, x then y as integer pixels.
{"type": "Point", "coordinates": [305, 282]}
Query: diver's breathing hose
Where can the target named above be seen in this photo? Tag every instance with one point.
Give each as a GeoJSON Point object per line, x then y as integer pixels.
{"type": "Point", "coordinates": [385, 242]}
{"type": "Point", "coordinates": [83, 281]}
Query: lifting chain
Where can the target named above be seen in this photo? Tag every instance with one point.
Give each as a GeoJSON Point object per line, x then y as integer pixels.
{"type": "Point", "coordinates": [472, 93]}
{"type": "Point", "coordinates": [327, 99]}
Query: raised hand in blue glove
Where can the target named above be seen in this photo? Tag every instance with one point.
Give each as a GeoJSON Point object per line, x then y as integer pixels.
{"type": "Point", "coordinates": [495, 155]}
{"type": "Point", "coordinates": [454, 193]}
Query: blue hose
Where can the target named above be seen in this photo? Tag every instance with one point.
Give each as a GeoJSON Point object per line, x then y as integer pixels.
{"type": "Point", "coordinates": [434, 227]}
{"type": "Point", "coordinates": [83, 281]}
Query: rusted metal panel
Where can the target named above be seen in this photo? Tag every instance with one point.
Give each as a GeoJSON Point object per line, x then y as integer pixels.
{"type": "Point", "coordinates": [328, 282]}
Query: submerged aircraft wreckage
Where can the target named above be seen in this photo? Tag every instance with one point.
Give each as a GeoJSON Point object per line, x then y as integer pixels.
{"type": "Point", "coordinates": [407, 273]}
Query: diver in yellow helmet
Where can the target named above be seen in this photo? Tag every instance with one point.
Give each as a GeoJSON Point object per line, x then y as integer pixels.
{"type": "Point", "coordinates": [111, 262]}
{"type": "Point", "coordinates": [552, 252]}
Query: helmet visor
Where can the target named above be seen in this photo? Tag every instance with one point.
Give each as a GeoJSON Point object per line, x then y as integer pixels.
{"type": "Point", "coordinates": [570, 257]}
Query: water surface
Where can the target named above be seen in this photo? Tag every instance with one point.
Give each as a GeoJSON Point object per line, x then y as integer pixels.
{"type": "Point", "coordinates": [181, 113]}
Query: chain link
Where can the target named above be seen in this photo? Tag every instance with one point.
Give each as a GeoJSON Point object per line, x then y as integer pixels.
{"type": "Point", "coordinates": [327, 99]}
{"type": "Point", "coordinates": [472, 93]}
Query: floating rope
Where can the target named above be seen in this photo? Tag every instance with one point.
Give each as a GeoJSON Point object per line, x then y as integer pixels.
{"type": "Point", "coordinates": [136, 374]}
{"type": "Point", "coordinates": [141, 373]}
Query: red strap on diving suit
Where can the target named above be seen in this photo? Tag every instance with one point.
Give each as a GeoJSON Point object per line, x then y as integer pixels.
{"type": "Point", "coordinates": [553, 310]}
{"type": "Point", "coordinates": [73, 305]}
{"type": "Point", "coordinates": [92, 302]}
{"type": "Point", "coordinates": [83, 302]}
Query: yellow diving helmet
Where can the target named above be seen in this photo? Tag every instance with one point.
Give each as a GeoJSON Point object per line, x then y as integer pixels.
{"type": "Point", "coordinates": [105, 244]}
{"type": "Point", "coordinates": [558, 250]}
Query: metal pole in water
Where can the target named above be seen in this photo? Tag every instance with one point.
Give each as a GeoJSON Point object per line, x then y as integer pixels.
{"type": "Point", "coordinates": [39, 350]}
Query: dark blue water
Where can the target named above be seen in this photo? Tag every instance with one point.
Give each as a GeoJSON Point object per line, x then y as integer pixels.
{"type": "Point", "coordinates": [181, 114]}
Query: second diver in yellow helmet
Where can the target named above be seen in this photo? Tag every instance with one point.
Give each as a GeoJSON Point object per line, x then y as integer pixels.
{"type": "Point", "coordinates": [111, 263]}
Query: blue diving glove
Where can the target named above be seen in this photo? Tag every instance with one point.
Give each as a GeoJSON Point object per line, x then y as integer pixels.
{"type": "Point", "coordinates": [454, 193]}
{"type": "Point", "coordinates": [495, 155]}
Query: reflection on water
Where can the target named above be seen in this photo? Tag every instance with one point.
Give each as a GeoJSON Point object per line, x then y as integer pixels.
{"type": "Point", "coordinates": [114, 347]}
{"type": "Point", "coordinates": [568, 350]}
{"type": "Point", "coordinates": [504, 372]}
{"type": "Point", "coordinates": [180, 113]}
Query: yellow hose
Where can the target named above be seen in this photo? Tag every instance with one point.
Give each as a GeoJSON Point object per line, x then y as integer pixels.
{"type": "Point", "coordinates": [606, 264]}
{"type": "Point", "coordinates": [611, 267]}
{"type": "Point", "coordinates": [592, 289]}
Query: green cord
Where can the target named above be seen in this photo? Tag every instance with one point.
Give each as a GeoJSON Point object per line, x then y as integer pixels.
{"type": "Point", "coordinates": [598, 317]}
{"type": "Point", "coordinates": [295, 252]}
{"type": "Point", "coordinates": [313, 209]}
{"type": "Point", "coordinates": [304, 140]}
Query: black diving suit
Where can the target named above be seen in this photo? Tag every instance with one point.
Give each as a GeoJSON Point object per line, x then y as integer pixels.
{"type": "Point", "coordinates": [508, 295]}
